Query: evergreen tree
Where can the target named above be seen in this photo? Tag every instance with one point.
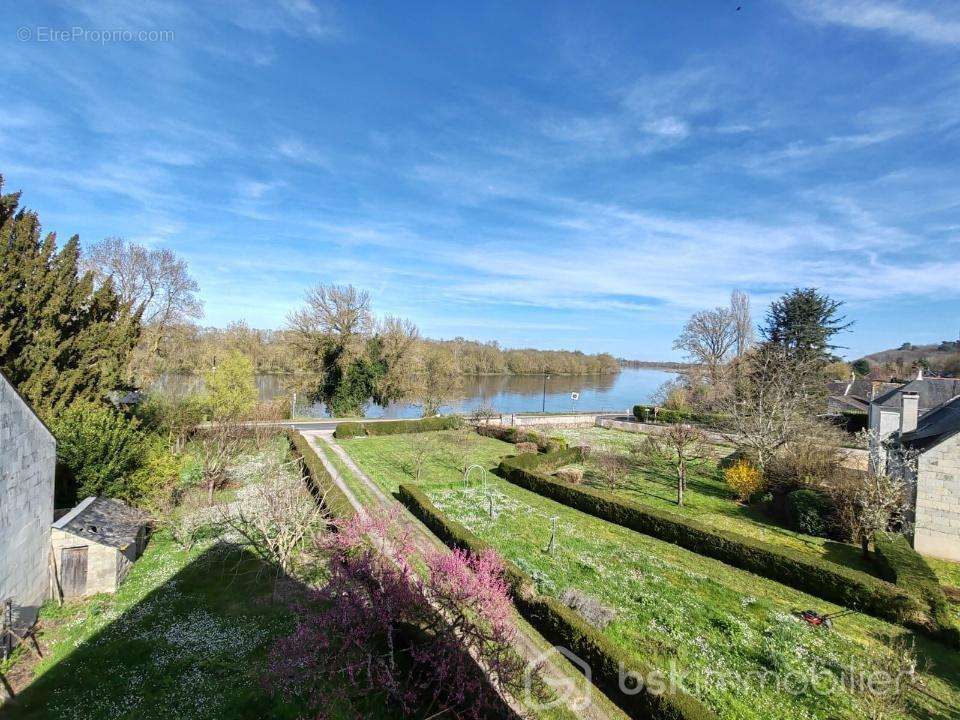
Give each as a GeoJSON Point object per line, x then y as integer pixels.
{"type": "Point", "coordinates": [803, 322]}
{"type": "Point", "coordinates": [60, 338]}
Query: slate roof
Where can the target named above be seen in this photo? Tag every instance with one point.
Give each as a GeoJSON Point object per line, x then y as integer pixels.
{"type": "Point", "coordinates": [937, 425]}
{"type": "Point", "coordinates": [104, 521]}
{"type": "Point", "coordinates": [932, 391]}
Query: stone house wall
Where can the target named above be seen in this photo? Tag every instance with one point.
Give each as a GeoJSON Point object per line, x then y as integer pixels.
{"type": "Point", "coordinates": [937, 529]}
{"type": "Point", "coordinates": [28, 454]}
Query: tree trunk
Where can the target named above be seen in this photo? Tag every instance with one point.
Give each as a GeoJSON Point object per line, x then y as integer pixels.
{"type": "Point", "coordinates": [681, 481]}
{"type": "Point", "coordinates": [865, 545]}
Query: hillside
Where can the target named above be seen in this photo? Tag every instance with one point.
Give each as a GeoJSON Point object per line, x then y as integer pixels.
{"type": "Point", "coordinates": [943, 356]}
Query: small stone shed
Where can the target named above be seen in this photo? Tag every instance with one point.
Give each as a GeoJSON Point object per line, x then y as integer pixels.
{"type": "Point", "coordinates": [96, 544]}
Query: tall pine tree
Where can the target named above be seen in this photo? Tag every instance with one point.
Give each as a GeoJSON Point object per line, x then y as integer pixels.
{"type": "Point", "coordinates": [61, 339]}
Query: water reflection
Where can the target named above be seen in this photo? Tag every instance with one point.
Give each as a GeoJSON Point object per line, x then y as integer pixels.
{"type": "Point", "coordinates": [505, 393]}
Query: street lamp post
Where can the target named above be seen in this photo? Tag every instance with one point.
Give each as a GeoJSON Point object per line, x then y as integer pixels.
{"type": "Point", "coordinates": [543, 407]}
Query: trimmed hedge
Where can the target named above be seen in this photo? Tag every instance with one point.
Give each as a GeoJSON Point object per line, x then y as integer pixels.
{"type": "Point", "coordinates": [833, 582]}
{"type": "Point", "coordinates": [453, 534]}
{"type": "Point", "coordinates": [545, 462]}
{"type": "Point", "coordinates": [516, 435]}
{"type": "Point", "coordinates": [653, 413]}
{"type": "Point", "coordinates": [396, 427]}
{"type": "Point", "coordinates": [563, 627]}
{"type": "Point", "coordinates": [905, 567]}
{"type": "Point", "coordinates": [346, 430]}
{"type": "Point", "coordinates": [333, 497]}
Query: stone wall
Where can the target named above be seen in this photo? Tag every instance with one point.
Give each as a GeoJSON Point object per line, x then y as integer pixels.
{"type": "Point", "coordinates": [937, 531]}
{"type": "Point", "coordinates": [106, 566]}
{"type": "Point", "coordinates": [27, 463]}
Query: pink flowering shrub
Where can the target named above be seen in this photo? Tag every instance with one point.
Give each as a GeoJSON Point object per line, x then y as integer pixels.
{"type": "Point", "coordinates": [378, 628]}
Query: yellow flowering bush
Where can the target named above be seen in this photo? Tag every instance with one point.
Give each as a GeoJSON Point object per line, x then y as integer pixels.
{"type": "Point", "coordinates": [744, 479]}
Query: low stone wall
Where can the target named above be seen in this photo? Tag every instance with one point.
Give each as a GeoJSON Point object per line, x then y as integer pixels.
{"type": "Point", "coordinates": [570, 420]}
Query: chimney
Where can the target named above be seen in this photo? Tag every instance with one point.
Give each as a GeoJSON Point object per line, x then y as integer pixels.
{"type": "Point", "coordinates": [909, 411]}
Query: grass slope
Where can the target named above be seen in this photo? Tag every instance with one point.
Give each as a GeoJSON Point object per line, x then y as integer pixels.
{"type": "Point", "coordinates": [729, 632]}
{"type": "Point", "coordinates": [707, 499]}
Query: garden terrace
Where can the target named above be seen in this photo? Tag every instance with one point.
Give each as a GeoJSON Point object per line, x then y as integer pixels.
{"type": "Point", "coordinates": [670, 604]}
{"type": "Point", "coordinates": [707, 498]}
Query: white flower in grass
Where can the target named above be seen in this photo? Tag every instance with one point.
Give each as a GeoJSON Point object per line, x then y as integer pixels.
{"type": "Point", "coordinates": [747, 601]}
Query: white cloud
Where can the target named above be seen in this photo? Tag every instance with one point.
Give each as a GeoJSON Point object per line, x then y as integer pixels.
{"type": "Point", "coordinates": [297, 18]}
{"type": "Point", "coordinates": [904, 19]}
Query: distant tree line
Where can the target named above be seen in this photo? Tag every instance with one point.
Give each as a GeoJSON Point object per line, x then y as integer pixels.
{"type": "Point", "coordinates": [188, 348]}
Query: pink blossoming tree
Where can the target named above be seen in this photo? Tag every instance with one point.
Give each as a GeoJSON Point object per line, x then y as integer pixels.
{"type": "Point", "coordinates": [379, 628]}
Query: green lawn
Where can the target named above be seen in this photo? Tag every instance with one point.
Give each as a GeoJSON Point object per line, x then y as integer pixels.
{"type": "Point", "coordinates": [186, 635]}
{"type": "Point", "coordinates": [724, 627]}
{"type": "Point", "coordinates": [390, 460]}
{"type": "Point", "coordinates": [707, 499]}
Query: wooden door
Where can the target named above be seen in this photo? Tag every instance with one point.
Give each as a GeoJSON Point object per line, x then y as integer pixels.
{"type": "Point", "coordinates": [73, 571]}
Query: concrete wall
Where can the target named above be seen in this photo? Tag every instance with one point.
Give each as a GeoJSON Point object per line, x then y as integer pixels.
{"type": "Point", "coordinates": [937, 530]}
{"type": "Point", "coordinates": [28, 455]}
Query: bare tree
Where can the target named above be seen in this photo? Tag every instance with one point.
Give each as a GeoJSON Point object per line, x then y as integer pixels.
{"type": "Point", "coordinates": [742, 322]}
{"type": "Point", "coordinates": [436, 381]}
{"type": "Point", "coordinates": [678, 448]}
{"type": "Point", "coordinates": [423, 447]}
{"type": "Point", "coordinates": [277, 517]}
{"type": "Point", "coordinates": [338, 311]}
{"type": "Point", "coordinates": [154, 281]}
{"type": "Point", "coordinates": [707, 338]}
{"type": "Point", "coordinates": [774, 401]}
{"type": "Point", "coordinates": [216, 446]}
{"type": "Point", "coordinates": [398, 340]}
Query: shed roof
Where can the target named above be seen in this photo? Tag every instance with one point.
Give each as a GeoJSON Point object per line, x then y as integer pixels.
{"type": "Point", "coordinates": [104, 521]}
{"type": "Point", "coordinates": [935, 426]}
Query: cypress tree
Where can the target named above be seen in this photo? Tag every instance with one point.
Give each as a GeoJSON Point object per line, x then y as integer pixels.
{"type": "Point", "coordinates": [61, 339]}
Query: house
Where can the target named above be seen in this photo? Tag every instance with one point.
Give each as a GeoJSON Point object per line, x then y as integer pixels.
{"type": "Point", "coordinates": [28, 457]}
{"type": "Point", "coordinates": [935, 439]}
{"type": "Point", "coordinates": [854, 395]}
{"type": "Point", "coordinates": [885, 409]}
{"type": "Point", "coordinates": [931, 439]}
{"type": "Point", "coordinates": [96, 544]}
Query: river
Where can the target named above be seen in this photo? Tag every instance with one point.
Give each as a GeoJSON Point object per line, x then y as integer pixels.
{"type": "Point", "coordinates": [504, 393]}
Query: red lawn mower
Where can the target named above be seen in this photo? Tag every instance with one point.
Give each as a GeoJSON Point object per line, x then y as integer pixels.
{"type": "Point", "coordinates": [812, 617]}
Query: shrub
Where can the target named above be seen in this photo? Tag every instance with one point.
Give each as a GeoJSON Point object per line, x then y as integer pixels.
{"type": "Point", "coordinates": [654, 413]}
{"type": "Point", "coordinates": [519, 435]}
{"type": "Point", "coordinates": [744, 479]}
{"type": "Point", "coordinates": [99, 451]}
{"type": "Point", "coordinates": [230, 389]}
{"type": "Point", "coordinates": [816, 460]}
{"type": "Point", "coordinates": [346, 430]}
{"type": "Point", "coordinates": [570, 475]}
{"type": "Point", "coordinates": [905, 567]}
{"type": "Point", "coordinates": [823, 578]}
{"type": "Point", "coordinates": [808, 510]}
{"type": "Point", "coordinates": [525, 448]}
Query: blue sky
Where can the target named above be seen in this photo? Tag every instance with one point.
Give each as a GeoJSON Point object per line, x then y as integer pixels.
{"type": "Point", "coordinates": [579, 175]}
